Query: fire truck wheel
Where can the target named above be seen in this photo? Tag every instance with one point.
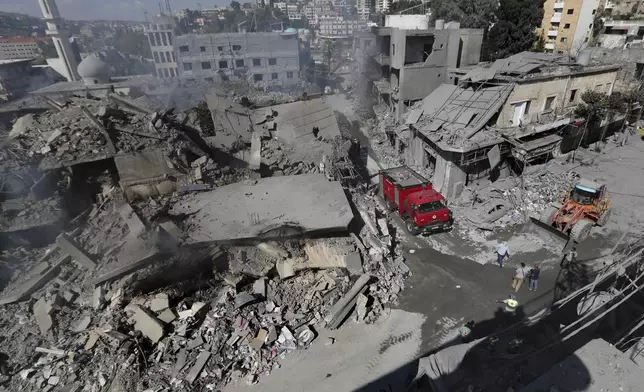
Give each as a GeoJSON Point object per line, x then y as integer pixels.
{"type": "Point", "coordinates": [411, 227]}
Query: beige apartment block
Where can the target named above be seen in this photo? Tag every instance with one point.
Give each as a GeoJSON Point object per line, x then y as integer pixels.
{"type": "Point", "coordinates": [567, 25]}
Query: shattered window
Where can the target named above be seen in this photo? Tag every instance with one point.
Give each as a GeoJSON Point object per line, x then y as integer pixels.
{"type": "Point", "coordinates": [172, 72]}
{"type": "Point", "coordinates": [184, 49]}
{"type": "Point", "coordinates": [165, 40]}
{"type": "Point", "coordinates": [165, 73]}
{"type": "Point", "coordinates": [156, 57]}
{"type": "Point", "coordinates": [187, 66]}
{"type": "Point", "coordinates": [257, 62]}
{"type": "Point", "coordinates": [152, 41]}
{"type": "Point", "coordinates": [272, 61]}
{"type": "Point", "coordinates": [274, 76]}
{"type": "Point", "coordinates": [223, 64]}
{"type": "Point", "coordinates": [211, 80]}
{"type": "Point", "coordinates": [289, 75]}
{"type": "Point", "coordinates": [202, 49]}
{"type": "Point", "coordinates": [162, 57]}
{"type": "Point", "coordinates": [258, 77]}
{"type": "Point", "coordinates": [236, 47]}
{"type": "Point", "coordinates": [205, 65]}
{"type": "Point", "coordinates": [239, 63]}
{"type": "Point", "coordinates": [220, 48]}
{"type": "Point", "coordinates": [549, 103]}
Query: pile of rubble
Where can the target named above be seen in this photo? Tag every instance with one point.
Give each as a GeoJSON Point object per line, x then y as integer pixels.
{"type": "Point", "coordinates": [124, 300]}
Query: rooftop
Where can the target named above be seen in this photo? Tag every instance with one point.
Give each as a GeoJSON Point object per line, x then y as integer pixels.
{"type": "Point", "coordinates": [63, 87]}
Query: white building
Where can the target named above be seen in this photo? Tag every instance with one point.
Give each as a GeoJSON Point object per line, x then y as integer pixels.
{"type": "Point", "coordinates": [364, 8]}
{"type": "Point", "coordinates": [338, 27]}
{"type": "Point", "coordinates": [161, 38]}
{"type": "Point", "coordinates": [66, 63]}
{"type": "Point", "coordinates": [19, 48]}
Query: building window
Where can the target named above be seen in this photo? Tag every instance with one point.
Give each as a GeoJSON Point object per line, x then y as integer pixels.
{"type": "Point", "coordinates": [599, 87]}
{"type": "Point", "coordinates": [223, 64]}
{"type": "Point", "coordinates": [594, 11]}
{"type": "Point", "coordinates": [393, 49]}
{"type": "Point", "coordinates": [239, 63]}
{"type": "Point", "coordinates": [567, 26]}
{"type": "Point", "coordinates": [165, 40]}
{"type": "Point", "coordinates": [165, 73]}
{"type": "Point", "coordinates": [289, 75]}
{"type": "Point", "coordinates": [184, 49]}
{"type": "Point", "coordinates": [162, 57]}
{"type": "Point", "coordinates": [223, 78]}
{"type": "Point", "coordinates": [258, 77]}
{"type": "Point", "coordinates": [167, 56]}
{"type": "Point", "coordinates": [205, 65]}
{"type": "Point", "coordinates": [158, 38]}
{"type": "Point", "coordinates": [564, 39]}
{"type": "Point", "coordinates": [236, 47]}
{"type": "Point", "coordinates": [211, 80]}
{"type": "Point", "coordinates": [257, 63]}
{"type": "Point", "coordinates": [220, 48]}
{"type": "Point", "coordinates": [187, 66]}
{"type": "Point", "coordinates": [172, 72]}
{"type": "Point", "coordinates": [550, 101]}
{"type": "Point", "coordinates": [156, 57]}
{"type": "Point", "coordinates": [274, 76]}
{"type": "Point", "coordinates": [202, 49]}
{"type": "Point", "coordinates": [272, 61]}
{"type": "Point", "coordinates": [152, 41]}
{"type": "Point", "coordinates": [573, 95]}
{"type": "Point", "coordinates": [174, 60]}
{"type": "Point", "coordinates": [570, 11]}
{"type": "Point", "coordinates": [169, 38]}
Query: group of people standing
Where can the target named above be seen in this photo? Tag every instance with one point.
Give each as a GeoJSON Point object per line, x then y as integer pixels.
{"type": "Point", "coordinates": [522, 272]}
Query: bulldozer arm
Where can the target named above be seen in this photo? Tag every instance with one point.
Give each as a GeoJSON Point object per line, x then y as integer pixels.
{"type": "Point", "coordinates": [550, 234]}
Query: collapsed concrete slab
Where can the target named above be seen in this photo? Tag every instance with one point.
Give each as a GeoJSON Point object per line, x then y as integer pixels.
{"type": "Point", "coordinates": [146, 173]}
{"type": "Point", "coordinates": [275, 207]}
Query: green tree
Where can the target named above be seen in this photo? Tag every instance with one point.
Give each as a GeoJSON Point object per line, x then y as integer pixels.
{"type": "Point", "coordinates": [516, 26]}
{"type": "Point", "coordinates": [540, 44]}
{"type": "Point", "coordinates": [475, 14]}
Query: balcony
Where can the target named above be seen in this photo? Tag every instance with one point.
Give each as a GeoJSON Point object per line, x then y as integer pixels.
{"type": "Point", "coordinates": [556, 18]}
{"type": "Point", "coordinates": [553, 33]}
{"type": "Point", "coordinates": [550, 46]}
{"type": "Point", "coordinates": [559, 5]}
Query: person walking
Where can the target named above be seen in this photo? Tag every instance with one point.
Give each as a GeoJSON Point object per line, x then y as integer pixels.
{"type": "Point", "coordinates": [534, 277]}
{"type": "Point", "coordinates": [519, 277]}
{"type": "Point", "coordinates": [502, 251]}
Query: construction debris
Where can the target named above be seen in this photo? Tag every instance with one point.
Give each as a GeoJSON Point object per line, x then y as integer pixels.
{"type": "Point", "coordinates": [151, 299]}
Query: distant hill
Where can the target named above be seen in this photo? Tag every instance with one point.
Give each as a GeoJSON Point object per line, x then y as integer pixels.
{"type": "Point", "coordinates": [12, 24]}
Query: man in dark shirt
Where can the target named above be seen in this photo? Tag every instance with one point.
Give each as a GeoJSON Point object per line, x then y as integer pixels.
{"type": "Point", "coordinates": [534, 277]}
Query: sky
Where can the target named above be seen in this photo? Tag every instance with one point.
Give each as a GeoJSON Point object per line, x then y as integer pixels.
{"type": "Point", "coordinates": [104, 9]}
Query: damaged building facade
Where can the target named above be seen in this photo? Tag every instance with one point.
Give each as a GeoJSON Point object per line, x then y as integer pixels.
{"type": "Point", "coordinates": [267, 59]}
{"type": "Point", "coordinates": [412, 63]}
{"type": "Point", "coordinates": [500, 117]}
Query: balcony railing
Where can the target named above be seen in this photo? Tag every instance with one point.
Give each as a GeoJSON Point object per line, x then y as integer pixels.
{"type": "Point", "coordinates": [559, 5]}
{"type": "Point", "coordinates": [556, 18]}
{"type": "Point", "coordinates": [553, 33]}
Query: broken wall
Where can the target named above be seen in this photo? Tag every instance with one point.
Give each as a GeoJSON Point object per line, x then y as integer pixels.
{"type": "Point", "coordinates": [419, 81]}
{"type": "Point", "coordinates": [561, 88]}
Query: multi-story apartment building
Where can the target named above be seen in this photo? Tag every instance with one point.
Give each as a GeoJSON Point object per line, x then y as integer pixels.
{"type": "Point", "coordinates": [161, 37]}
{"type": "Point", "coordinates": [314, 12]}
{"type": "Point", "coordinates": [338, 27]}
{"type": "Point", "coordinates": [620, 34]}
{"type": "Point", "coordinates": [382, 6]}
{"type": "Point", "coordinates": [365, 7]}
{"type": "Point", "coordinates": [19, 48]}
{"type": "Point", "coordinates": [268, 59]}
{"type": "Point", "coordinates": [567, 25]}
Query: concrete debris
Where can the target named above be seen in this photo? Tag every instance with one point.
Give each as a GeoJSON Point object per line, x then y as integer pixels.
{"type": "Point", "coordinates": [160, 302]}
{"type": "Point", "coordinates": [202, 359]}
{"type": "Point", "coordinates": [285, 268]}
{"type": "Point", "coordinates": [42, 311]}
{"type": "Point", "coordinates": [75, 250]}
{"type": "Point", "coordinates": [217, 313]}
{"type": "Point", "coordinates": [148, 324]}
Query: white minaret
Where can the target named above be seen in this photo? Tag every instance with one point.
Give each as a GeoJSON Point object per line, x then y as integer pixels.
{"type": "Point", "coordinates": [60, 39]}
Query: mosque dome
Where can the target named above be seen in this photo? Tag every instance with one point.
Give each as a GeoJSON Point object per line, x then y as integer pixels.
{"type": "Point", "coordinates": [94, 70]}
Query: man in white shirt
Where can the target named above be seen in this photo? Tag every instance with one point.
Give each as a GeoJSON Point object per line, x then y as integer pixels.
{"type": "Point", "coordinates": [502, 252]}
{"type": "Point", "coordinates": [519, 275]}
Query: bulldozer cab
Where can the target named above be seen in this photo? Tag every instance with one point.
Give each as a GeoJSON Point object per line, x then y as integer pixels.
{"type": "Point", "coordinates": [587, 192]}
